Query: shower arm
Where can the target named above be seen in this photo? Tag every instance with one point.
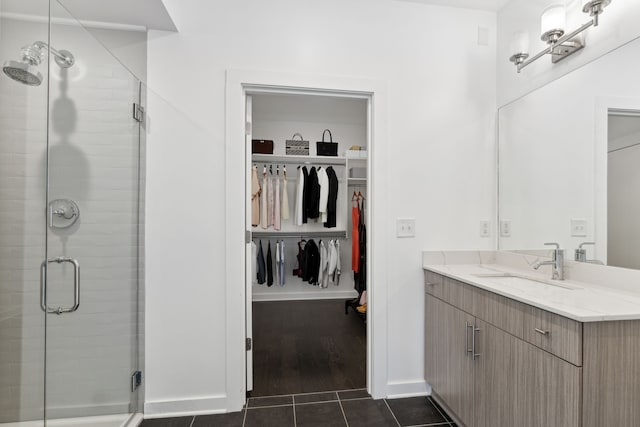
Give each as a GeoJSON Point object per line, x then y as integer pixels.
{"type": "Point", "coordinates": [63, 58]}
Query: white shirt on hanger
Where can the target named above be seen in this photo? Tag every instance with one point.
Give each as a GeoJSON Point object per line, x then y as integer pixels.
{"type": "Point", "coordinates": [323, 180]}
{"type": "Point", "coordinates": [297, 220]}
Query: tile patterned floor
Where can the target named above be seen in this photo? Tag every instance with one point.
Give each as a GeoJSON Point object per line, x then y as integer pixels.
{"type": "Point", "coordinates": [351, 408]}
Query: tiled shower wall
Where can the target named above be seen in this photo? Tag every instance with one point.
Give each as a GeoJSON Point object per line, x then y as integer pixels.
{"type": "Point", "coordinates": [94, 160]}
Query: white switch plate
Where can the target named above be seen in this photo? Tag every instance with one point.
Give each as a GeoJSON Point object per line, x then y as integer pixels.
{"type": "Point", "coordinates": [485, 229]}
{"type": "Point", "coordinates": [406, 227]}
{"type": "Point", "coordinates": [505, 228]}
{"type": "Point", "coordinates": [578, 227]}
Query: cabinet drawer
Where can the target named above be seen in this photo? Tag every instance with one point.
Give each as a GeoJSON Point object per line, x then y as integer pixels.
{"type": "Point", "coordinates": [554, 333]}
{"type": "Point", "coordinates": [434, 284]}
{"type": "Point", "coordinates": [501, 312]}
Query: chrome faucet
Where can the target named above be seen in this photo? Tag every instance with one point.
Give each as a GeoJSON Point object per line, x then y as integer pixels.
{"type": "Point", "coordinates": [556, 263]}
{"type": "Point", "coordinates": [581, 254]}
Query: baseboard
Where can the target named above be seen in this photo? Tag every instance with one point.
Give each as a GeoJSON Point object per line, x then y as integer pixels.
{"type": "Point", "coordinates": [186, 407]}
{"type": "Point", "coordinates": [397, 390]}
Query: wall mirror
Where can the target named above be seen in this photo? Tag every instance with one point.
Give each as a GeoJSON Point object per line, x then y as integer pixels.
{"type": "Point", "coordinates": [569, 162]}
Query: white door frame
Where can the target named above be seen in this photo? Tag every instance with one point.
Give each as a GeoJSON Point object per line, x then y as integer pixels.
{"type": "Point", "coordinates": [238, 83]}
{"type": "Point", "coordinates": [603, 105]}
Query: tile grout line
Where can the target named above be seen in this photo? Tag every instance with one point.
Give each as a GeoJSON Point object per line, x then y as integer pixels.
{"type": "Point", "coordinates": [244, 418]}
{"type": "Point", "coordinates": [392, 414]}
{"type": "Point", "coordinates": [193, 420]}
{"type": "Point", "coordinates": [293, 401]}
{"type": "Point", "coordinates": [342, 409]}
{"type": "Point", "coordinates": [271, 406]}
{"type": "Point", "coordinates": [308, 393]}
{"type": "Point", "coordinates": [432, 402]}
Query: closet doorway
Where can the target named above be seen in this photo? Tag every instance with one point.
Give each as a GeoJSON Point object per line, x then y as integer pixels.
{"type": "Point", "coordinates": [306, 302]}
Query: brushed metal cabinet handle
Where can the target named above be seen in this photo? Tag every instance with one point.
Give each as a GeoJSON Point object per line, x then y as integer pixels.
{"type": "Point", "coordinates": [473, 343]}
{"type": "Point", "coordinates": [467, 325]}
{"type": "Point", "coordinates": [541, 332]}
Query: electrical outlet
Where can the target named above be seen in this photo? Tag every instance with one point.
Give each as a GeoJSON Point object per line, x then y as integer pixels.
{"type": "Point", "coordinates": [578, 227]}
{"type": "Point", "coordinates": [485, 229]}
{"type": "Point", "coordinates": [505, 228]}
{"type": "Point", "coordinates": [406, 227]}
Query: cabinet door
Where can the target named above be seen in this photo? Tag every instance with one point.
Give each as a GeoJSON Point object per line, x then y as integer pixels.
{"type": "Point", "coordinates": [547, 389]}
{"type": "Point", "coordinates": [448, 365]}
{"type": "Point", "coordinates": [494, 377]}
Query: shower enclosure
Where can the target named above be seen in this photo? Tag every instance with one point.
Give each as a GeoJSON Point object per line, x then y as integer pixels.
{"type": "Point", "coordinates": [71, 156]}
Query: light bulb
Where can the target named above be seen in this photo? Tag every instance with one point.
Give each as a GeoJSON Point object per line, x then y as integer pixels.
{"type": "Point", "coordinates": [519, 43]}
{"type": "Point", "coordinates": [552, 23]}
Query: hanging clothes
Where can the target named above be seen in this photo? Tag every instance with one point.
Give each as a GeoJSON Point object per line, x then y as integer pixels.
{"type": "Point", "coordinates": [299, 208]}
{"type": "Point", "coordinates": [263, 200]}
{"type": "Point", "coordinates": [255, 197]}
{"type": "Point", "coordinates": [305, 194]}
{"type": "Point", "coordinates": [280, 262]}
{"type": "Point", "coordinates": [331, 264]}
{"type": "Point", "coordinates": [276, 202]}
{"type": "Point", "coordinates": [323, 182]}
{"type": "Point", "coordinates": [254, 263]}
{"type": "Point", "coordinates": [310, 262]}
{"type": "Point", "coordinates": [323, 266]}
{"type": "Point", "coordinates": [276, 270]}
{"type": "Point", "coordinates": [312, 200]}
{"type": "Point", "coordinates": [261, 277]}
{"type": "Point", "coordinates": [269, 266]}
{"type": "Point", "coordinates": [361, 276]}
{"type": "Point", "coordinates": [270, 200]}
{"type": "Point", "coordinates": [284, 211]}
{"type": "Point", "coordinates": [299, 258]}
{"type": "Point", "coordinates": [355, 234]}
{"type": "Point", "coordinates": [332, 198]}
{"type": "Point", "coordinates": [338, 271]}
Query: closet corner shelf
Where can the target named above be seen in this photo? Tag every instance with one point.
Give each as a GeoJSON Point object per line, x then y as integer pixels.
{"type": "Point", "coordinates": [311, 160]}
{"type": "Point", "coordinates": [338, 234]}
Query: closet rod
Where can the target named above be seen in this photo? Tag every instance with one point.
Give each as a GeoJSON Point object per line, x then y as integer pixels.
{"type": "Point", "coordinates": [301, 234]}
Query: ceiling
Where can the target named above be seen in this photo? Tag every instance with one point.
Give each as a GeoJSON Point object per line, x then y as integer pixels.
{"type": "Point", "coordinates": [490, 5]}
{"type": "Point", "coordinates": [143, 14]}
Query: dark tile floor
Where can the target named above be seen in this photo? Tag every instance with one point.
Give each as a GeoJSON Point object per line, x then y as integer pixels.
{"type": "Point", "coordinates": [352, 408]}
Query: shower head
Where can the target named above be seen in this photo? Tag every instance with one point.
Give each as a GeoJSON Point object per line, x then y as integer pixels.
{"type": "Point", "coordinates": [23, 72]}
{"type": "Point", "coordinates": [26, 71]}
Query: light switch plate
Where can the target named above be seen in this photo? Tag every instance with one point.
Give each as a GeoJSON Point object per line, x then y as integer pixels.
{"type": "Point", "coordinates": [406, 227]}
{"type": "Point", "coordinates": [505, 228]}
{"type": "Point", "coordinates": [485, 229]}
{"type": "Point", "coordinates": [578, 227]}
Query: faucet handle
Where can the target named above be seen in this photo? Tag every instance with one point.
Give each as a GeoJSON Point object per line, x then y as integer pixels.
{"type": "Point", "coordinates": [586, 243]}
{"type": "Point", "coordinates": [557, 245]}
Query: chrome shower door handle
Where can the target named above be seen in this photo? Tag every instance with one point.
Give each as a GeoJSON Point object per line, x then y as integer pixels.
{"type": "Point", "coordinates": [76, 286]}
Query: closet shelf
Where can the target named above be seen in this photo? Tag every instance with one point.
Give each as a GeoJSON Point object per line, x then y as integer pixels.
{"type": "Point", "coordinates": [336, 234]}
{"type": "Point", "coordinates": [298, 160]}
{"type": "Point", "coordinates": [357, 181]}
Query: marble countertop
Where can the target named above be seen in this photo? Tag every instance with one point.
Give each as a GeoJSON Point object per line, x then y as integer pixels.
{"type": "Point", "coordinates": [577, 300]}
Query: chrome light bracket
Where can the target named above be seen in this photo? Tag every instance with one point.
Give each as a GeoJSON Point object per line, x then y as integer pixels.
{"type": "Point", "coordinates": [566, 49]}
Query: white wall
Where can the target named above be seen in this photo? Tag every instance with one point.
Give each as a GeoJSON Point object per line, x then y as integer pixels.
{"type": "Point", "coordinates": [618, 25]}
{"type": "Point", "coordinates": [441, 104]}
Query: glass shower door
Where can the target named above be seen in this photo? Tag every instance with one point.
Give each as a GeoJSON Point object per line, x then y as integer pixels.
{"type": "Point", "coordinates": [23, 150]}
{"type": "Point", "coordinates": [93, 239]}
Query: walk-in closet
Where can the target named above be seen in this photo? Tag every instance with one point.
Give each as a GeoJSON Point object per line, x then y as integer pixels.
{"type": "Point", "coordinates": [307, 210]}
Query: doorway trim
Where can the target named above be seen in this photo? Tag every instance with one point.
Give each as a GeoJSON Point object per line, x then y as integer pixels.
{"type": "Point", "coordinates": [603, 107]}
{"type": "Point", "coordinates": [238, 83]}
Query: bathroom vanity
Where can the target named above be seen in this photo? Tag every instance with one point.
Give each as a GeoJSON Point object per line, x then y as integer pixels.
{"type": "Point", "coordinates": [507, 346]}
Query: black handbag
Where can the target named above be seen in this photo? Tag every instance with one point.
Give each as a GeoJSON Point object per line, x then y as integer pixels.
{"type": "Point", "coordinates": [327, 148]}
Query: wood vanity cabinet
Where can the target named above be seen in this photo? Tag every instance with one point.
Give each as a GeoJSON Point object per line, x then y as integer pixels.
{"type": "Point", "coordinates": [486, 367]}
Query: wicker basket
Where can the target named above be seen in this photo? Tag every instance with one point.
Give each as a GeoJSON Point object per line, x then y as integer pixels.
{"type": "Point", "coordinates": [297, 147]}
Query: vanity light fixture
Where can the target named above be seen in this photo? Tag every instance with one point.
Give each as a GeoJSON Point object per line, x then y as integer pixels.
{"type": "Point", "coordinates": [552, 26]}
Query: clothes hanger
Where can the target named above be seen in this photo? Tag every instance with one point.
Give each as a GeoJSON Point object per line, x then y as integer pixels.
{"type": "Point", "coordinates": [264, 170]}
{"type": "Point", "coordinates": [278, 170]}
{"type": "Point", "coordinates": [284, 171]}
{"type": "Point", "coordinates": [360, 196]}
{"type": "Point", "coordinates": [270, 169]}
{"type": "Point", "coordinates": [354, 198]}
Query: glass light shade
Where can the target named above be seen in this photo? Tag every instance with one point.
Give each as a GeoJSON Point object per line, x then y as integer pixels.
{"type": "Point", "coordinates": [553, 18]}
{"type": "Point", "coordinates": [519, 43]}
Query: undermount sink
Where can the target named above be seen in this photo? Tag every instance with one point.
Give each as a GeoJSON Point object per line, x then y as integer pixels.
{"type": "Point", "coordinates": [517, 279]}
